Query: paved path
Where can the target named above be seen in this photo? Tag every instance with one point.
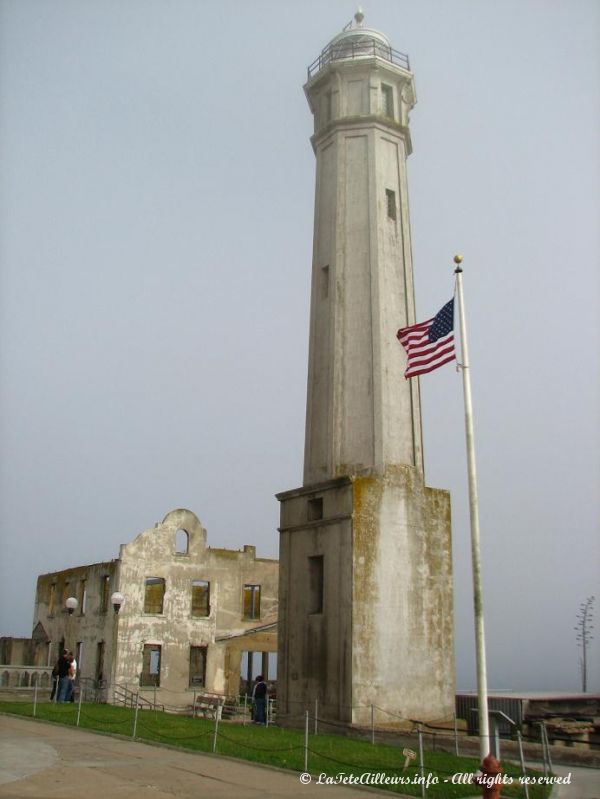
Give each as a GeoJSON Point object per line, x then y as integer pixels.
{"type": "Point", "coordinates": [44, 761]}
{"type": "Point", "coordinates": [585, 783]}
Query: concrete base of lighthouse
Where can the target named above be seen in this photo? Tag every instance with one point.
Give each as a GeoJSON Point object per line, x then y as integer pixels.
{"type": "Point", "coordinates": [366, 600]}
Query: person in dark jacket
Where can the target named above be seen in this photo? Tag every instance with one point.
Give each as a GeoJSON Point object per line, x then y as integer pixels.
{"type": "Point", "coordinates": [64, 668]}
{"type": "Point", "coordinates": [259, 700]}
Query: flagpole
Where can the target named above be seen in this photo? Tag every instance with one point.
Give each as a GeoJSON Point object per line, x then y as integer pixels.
{"type": "Point", "coordinates": [482, 693]}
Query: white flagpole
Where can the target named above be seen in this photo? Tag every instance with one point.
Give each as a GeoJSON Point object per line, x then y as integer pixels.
{"type": "Point", "coordinates": [482, 693]}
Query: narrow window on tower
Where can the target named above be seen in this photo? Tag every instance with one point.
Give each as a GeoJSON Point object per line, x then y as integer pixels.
{"type": "Point", "coordinates": [315, 586]}
{"type": "Point", "coordinates": [328, 106]}
{"type": "Point", "coordinates": [315, 509]}
{"type": "Point", "coordinates": [325, 282]}
{"type": "Point", "coordinates": [391, 203]}
{"type": "Point", "coordinates": [387, 97]}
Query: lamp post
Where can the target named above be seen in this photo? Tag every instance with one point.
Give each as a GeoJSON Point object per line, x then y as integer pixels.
{"type": "Point", "coordinates": [117, 599]}
{"type": "Point", "coordinates": [71, 605]}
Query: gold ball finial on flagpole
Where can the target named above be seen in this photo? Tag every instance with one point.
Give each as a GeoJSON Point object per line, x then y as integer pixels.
{"type": "Point", "coordinates": [458, 259]}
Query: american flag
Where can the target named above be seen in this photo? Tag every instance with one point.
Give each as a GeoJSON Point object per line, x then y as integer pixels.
{"type": "Point", "coordinates": [429, 344]}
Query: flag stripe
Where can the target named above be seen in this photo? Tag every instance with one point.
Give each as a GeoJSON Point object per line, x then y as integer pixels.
{"type": "Point", "coordinates": [426, 369]}
{"type": "Point", "coordinates": [429, 344]}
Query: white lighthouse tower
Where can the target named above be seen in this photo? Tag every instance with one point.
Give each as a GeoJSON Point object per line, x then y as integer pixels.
{"type": "Point", "coordinates": [365, 552]}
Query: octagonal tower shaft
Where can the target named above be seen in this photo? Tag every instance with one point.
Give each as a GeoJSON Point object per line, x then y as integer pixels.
{"type": "Point", "coordinates": [361, 412]}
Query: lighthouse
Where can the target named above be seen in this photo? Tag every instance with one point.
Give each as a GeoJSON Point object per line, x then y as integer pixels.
{"type": "Point", "coordinates": [366, 598]}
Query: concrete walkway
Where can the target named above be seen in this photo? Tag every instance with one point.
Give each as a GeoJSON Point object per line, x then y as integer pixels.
{"type": "Point", "coordinates": [46, 761]}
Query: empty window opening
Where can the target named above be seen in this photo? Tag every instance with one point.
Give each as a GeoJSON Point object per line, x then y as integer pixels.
{"type": "Point", "coordinates": [154, 595]}
{"type": "Point", "coordinates": [182, 542]}
{"type": "Point", "coordinates": [200, 598]}
{"type": "Point", "coordinates": [325, 282]}
{"type": "Point", "coordinates": [51, 598]}
{"type": "Point", "coordinates": [66, 593]}
{"type": "Point", "coordinates": [104, 592]}
{"type": "Point", "coordinates": [79, 656]}
{"type": "Point", "coordinates": [315, 509]}
{"type": "Point", "coordinates": [82, 596]}
{"type": "Point", "coordinates": [315, 584]}
{"type": "Point", "coordinates": [252, 601]}
{"type": "Point", "coordinates": [100, 661]}
{"type": "Point", "coordinates": [391, 203]}
{"type": "Point", "coordinates": [254, 663]}
{"type": "Point", "coordinates": [328, 106]}
{"type": "Point", "coordinates": [150, 675]}
{"type": "Point", "coordinates": [198, 666]}
{"type": "Point", "coordinates": [387, 96]}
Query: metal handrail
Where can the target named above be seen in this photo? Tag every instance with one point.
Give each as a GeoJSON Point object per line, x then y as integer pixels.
{"type": "Point", "coordinates": [361, 48]}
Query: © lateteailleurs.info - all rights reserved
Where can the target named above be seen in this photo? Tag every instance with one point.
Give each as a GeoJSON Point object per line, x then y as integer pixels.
{"type": "Point", "coordinates": [460, 778]}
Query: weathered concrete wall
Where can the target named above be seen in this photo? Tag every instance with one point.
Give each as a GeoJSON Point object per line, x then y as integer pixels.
{"type": "Point", "coordinates": [153, 554]}
{"type": "Point", "coordinates": [314, 660]}
{"type": "Point", "coordinates": [403, 600]}
{"type": "Point", "coordinates": [385, 634]}
{"type": "Point", "coordinates": [89, 624]}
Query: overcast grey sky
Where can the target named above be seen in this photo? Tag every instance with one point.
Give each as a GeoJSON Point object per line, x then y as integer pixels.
{"type": "Point", "coordinates": [156, 207]}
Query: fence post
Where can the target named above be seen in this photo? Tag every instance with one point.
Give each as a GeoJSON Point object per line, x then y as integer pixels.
{"type": "Point", "coordinates": [456, 737]}
{"type": "Point", "coordinates": [35, 700]}
{"type": "Point", "coordinates": [316, 716]}
{"type": "Point", "coordinates": [245, 708]}
{"type": "Point", "coordinates": [548, 755]}
{"type": "Point", "coordinates": [216, 732]}
{"type": "Point", "coordinates": [135, 717]}
{"type": "Point", "coordinates": [306, 743]}
{"type": "Point", "coordinates": [79, 703]}
{"type": "Point", "coordinates": [194, 706]}
{"type": "Point", "coordinates": [421, 762]}
{"type": "Point", "coordinates": [523, 771]}
{"type": "Point", "coordinates": [372, 724]}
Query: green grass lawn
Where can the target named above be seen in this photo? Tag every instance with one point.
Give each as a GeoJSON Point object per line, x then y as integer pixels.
{"type": "Point", "coordinates": [328, 754]}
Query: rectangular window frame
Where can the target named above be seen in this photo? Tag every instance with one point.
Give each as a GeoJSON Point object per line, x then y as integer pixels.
{"type": "Point", "coordinates": [200, 606]}
{"type": "Point", "coordinates": [51, 599]}
{"type": "Point", "coordinates": [390, 197]}
{"type": "Point", "coordinates": [197, 666]}
{"type": "Point", "coordinates": [151, 666]}
{"type": "Point", "coordinates": [251, 601]}
{"type": "Point", "coordinates": [82, 596]}
{"type": "Point", "coordinates": [154, 595]}
{"type": "Point", "coordinates": [387, 100]}
{"type": "Point", "coordinates": [316, 583]}
{"type": "Point", "coordinates": [104, 592]}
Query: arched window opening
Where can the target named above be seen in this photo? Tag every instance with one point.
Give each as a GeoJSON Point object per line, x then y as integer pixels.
{"type": "Point", "coordinates": [182, 542]}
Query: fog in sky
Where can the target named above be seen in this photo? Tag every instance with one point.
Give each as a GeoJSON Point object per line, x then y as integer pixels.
{"type": "Point", "coordinates": [156, 211]}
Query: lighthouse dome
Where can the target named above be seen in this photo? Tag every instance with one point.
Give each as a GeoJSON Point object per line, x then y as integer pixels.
{"type": "Point", "coordinates": [357, 41]}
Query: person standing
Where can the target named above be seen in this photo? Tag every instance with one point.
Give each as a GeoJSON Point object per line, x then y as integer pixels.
{"type": "Point", "coordinates": [63, 668]}
{"type": "Point", "coordinates": [72, 676]}
{"type": "Point", "coordinates": [54, 681]}
{"type": "Point", "coordinates": [259, 700]}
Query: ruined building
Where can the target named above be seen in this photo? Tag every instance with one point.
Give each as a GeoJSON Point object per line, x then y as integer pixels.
{"type": "Point", "coordinates": [366, 594]}
{"type": "Point", "coordinates": [190, 614]}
